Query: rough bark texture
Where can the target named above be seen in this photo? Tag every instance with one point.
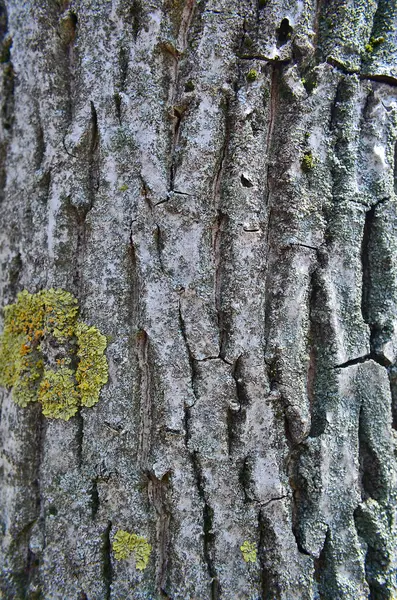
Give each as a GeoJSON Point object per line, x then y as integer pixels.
{"type": "Point", "coordinates": [215, 181]}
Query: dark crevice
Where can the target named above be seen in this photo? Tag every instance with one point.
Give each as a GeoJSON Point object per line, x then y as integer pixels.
{"type": "Point", "coordinates": [387, 79]}
{"type": "Point", "coordinates": [79, 437]}
{"type": "Point", "coordinates": [146, 409]}
{"type": "Point", "coordinates": [67, 33]}
{"type": "Point", "coordinates": [94, 495]}
{"type": "Point", "coordinates": [365, 261]}
{"type": "Point", "coordinates": [177, 118]}
{"type": "Point", "coordinates": [40, 144]}
{"type": "Point", "coordinates": [321, 569]}
{"type": "Point", "coordinates": [159, 246]}
{"type": "Point", "coordinates": [245, 478]}
{"type": "Point", "coordinates": [246, 182]}
{"type": "Point", "coordinates": [217, 231]}
{"type": "Point", "coordinates": [270, 586]}
{"type": "Point", "coordinates": [284, 33]}
{"type": "Point", "coordinates": [237, 417]}
{"type": "Point", "coordinates": [136, 17]}
{"type": "Point", "coordinates": [192, 361]}
{"type": "Point", "coordinates": [157, 493]}
{"type": "Point", "coordinates": [208, 536]}
{"type": "Point", "coordinates": [353, 361]}
{"type": "Point", "coordinates": [107, 569]}
{"type": "Point", "coordinates": [123, 66]}
{"type": "Point", "coordinates": [7, 98]}
{"type": "Point", "coordinates": [117, 106]}
{"type": "Point", "coordinates": [94, 158]}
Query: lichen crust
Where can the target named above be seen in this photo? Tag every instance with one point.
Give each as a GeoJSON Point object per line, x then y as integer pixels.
{"type": "Point", "coordinates": [125, 544]}
{"type": "Point", "coordinates": [48, 355]}
{"type": "Point", "coordinates": [248, 550]}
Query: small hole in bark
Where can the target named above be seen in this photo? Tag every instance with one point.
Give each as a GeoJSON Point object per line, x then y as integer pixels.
{"type": "Point", "coordinates": [284, 33]}
{"type": "Point", "coordinates": [246, 182]}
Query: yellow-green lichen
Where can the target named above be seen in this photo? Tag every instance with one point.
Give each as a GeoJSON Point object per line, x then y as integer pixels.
{"type": "Point", "coordinates": [252, 75]}
{"type": "Point", "coordinates": [125, 544]}
{"type": "Point", "coordinates": [308, 162]}
{"type": "Point", "coordinates": [248, 550]}
{"type": "Point", "coordinates": [92, 368]}
{"type": "Point", "coordinates": [48, 356]}
{"type": "Point", "coordinates": [373, 43]}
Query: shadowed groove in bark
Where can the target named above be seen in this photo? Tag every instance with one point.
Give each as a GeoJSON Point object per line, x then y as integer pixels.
{"type": "Point", "coordinates": [145, 433]}
{"type": "Point", "coordinates": [67, 31]}
{"type": "Point", "coordinates": [192, 362]}
{"type": "Point", "coordinates": [7, 99]}
{"type": "Point", "coordinates": [157, 493]}
{"type": "Point", "coordinates": [208, 536]}
{"type": "Point", "coordinates": [93, 158]}
{"type": "Point", "coordinates": [220, 226]}
{"type": "Point", "coordinates": [365, 260]}
{"type": "Point", "coordinates": [237, 417]}
{"type": "Point", "coordinates": [107, 568]}
{"type": "Point", "coordinates": [266, 587]}
{"type": "Point", "coordinates": [94, 498]}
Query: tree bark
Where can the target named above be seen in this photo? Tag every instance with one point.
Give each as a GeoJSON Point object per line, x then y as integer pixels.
{"type": "Point", "coordinates": [215, 181]}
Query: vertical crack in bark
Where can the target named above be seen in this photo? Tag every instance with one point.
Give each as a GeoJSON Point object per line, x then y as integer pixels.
{"type": "Point", "coordinates": [236, 417]}
{"type": "Point", "coordinates": [94, 496]}
{"type": "Point", "coordinates": [157, 493]}
{"type": "Point", "coordinates": [322, 570]}
{"type": "Point", "coordinates": [93, 159]}
{"type": "Point", "coordinates": [365, 261]}
{"type": "Point", "coordinates": [79, 437]}
{"type": "Point", "coordinates": [67, 33]}
{"type": "Point", "coordinates": [219, 228]}
{"type": "Point", "coordinates": [208, 536]}
{"type": "Point", "coordinates": [192, 362]}
{"type": "Point", "coordinates": [159, 247]}
{"type": "Point", "coordinates": [145, 428]}
{"type": "Point", "coordinates": [317, 23]}
{"type": "Point", "coordinates": [187, 16]}
{"type": "Point", "coordinates": [7, 97]}
{"type": "Point", "coordinates": [107, 569]}
{"type": "Point", "coordinates": [177, 114]}
{"type": "Point", "coordinates": [266, 587]}
{"type": "Point", "coordinates": [273, 105]}
{"type": "Point", "coordinates": [217, 231]}
{"type": "Point", "coordinates": [33, 561]}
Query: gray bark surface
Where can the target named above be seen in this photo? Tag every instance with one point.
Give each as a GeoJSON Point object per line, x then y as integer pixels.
{"type": "Point", "coordinates": [215, 181]}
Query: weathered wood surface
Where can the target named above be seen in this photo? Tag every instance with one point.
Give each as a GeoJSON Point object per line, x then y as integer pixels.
{"type": "Point", "coordinates": [216, 182]}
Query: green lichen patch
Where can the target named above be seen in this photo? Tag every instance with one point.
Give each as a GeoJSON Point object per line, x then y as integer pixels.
{"type": "Point", "coordinates": [92, 368]}
{"type": "Point", "coordinates": [308, 162]}
{"type": "Point", "coordinates": [125, 544]}
{"type": "Point", "coordinates": [248, 550]}
{"type": "Point", "coordinates": [373, 43]}
{"type": "Point", "coordinates": [252, 75]}
{"type": "Point", "coordinates": [48, 356]}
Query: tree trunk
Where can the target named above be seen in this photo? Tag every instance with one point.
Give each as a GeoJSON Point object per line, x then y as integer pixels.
{"type": "Point", "coordinates": [215, 182]}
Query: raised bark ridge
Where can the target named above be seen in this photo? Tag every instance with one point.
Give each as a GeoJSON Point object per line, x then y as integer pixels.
{"type": "Point", "coordinates": [215, 182]}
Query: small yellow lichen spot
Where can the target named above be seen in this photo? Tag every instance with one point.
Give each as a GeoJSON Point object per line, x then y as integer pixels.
{"type": "Point", "coordinates": [126, 543]}
{"type": "Point", "coordinates": [248, 550]}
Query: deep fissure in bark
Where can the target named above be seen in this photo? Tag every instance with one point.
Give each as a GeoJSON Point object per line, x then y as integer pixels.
{"type": "Point", "coordinates": [157, 493]}
{"type": "Point", "coordinates": [107, 568]}
{"type": "Point", "coordinates": [145, 430]}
